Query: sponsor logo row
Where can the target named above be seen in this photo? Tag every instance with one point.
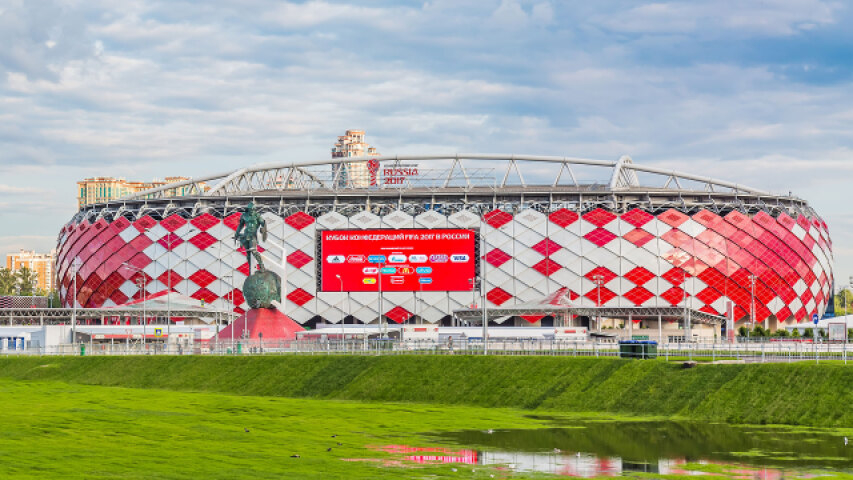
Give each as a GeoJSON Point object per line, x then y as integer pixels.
{"type": "Point", "coordinates": [396, 270]}
{"type": "Point", "coordinates": [397, 258]}
{"type": "Point", "coordinates": [396, 280]}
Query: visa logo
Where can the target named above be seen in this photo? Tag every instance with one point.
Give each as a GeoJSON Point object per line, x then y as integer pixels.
{"type": "Point", "coordinates": [458, 258]}
{"type": "Point", "coordinates": [397, 259]}
{"type": "Point", "coordinates": [336, 259]}
{"type": "Point", "coordinates": [376, 258]}
{"type": "Point", "coordinates": [423, 270]}
{"type": "Point", "coordinates": [438, 258]}
{"type": "Point", "coordinates": [417, 258]}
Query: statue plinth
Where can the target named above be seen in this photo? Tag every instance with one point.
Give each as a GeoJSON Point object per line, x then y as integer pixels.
{"type": "Point", "coordinates": [261, 289]}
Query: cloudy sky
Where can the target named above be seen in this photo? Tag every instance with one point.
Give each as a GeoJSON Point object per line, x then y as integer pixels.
{"type": "Point", "coordinates": [756, 92]}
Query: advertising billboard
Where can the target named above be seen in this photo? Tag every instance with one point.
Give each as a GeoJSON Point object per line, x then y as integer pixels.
{"type": "Point", "coordinates": [403, 260]}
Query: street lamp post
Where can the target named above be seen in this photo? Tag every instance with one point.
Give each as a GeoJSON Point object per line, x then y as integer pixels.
{"type": "Point", "coordinates": [341, 304]}
{"type": "Point", "coordinates": [599, 280]}
{"type": "Point", "coordinates": [751, 303]}
{"type": "Point", "coordinates": [76, 264]}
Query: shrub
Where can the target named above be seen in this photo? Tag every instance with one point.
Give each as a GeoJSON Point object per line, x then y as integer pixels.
{"type": "Point", "coordinates": [809, 333]}
{"type": "Point", "coordinates": [742, 331]}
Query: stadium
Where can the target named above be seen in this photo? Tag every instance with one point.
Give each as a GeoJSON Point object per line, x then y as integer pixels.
{"type": "Point", "coordinates": [420, 238]}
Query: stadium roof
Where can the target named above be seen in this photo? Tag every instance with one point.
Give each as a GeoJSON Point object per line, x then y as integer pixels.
{"type": "Point", "coordinates": [464, 171]}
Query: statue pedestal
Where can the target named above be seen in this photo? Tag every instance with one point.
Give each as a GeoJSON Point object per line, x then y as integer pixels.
{"type": "Point", "coordinates": [270, 322]}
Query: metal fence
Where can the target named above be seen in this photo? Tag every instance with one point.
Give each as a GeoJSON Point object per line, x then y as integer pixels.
{"type": "Point", "coordinates": [751, 352]}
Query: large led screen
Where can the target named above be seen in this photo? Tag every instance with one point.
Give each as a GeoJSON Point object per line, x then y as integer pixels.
{"type": "Point", "coordinates": [403, 260]}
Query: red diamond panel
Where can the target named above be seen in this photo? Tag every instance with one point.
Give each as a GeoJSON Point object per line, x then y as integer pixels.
{"type": "Point", "coordinates": [497, 257]}
{"type": "Point", "coordinates": [606, 274]}
{"type": "Point", "coordinates": [202, 278]}
{"type": "Point", "coordinates": [497, 218]}
{"type": "Point", "coordinates": [244, 269]}
{"type": "Point", "coordinates": [709, 295]}
{"type": "Point", "coordinates": [547, 267]}
{"type": "Point", "coordinates": [170, 241]}
{"type": "Point", "coordinates": [672, 217]}
{"type": "Point", "coordinates": [398, 314]}
{"type": "Point", "coordinates": [605, 295]}
{"type": "Point", "coordinates": [204, 294]}
{"type": "Point", "coordinates": [638, 237]}
{"type": "Point", "coordinates": [675, 276]}
{"type": "Point", "coordinates": [202, 240]}
{"type": "Point", "coordinates": [674, 296]}
{"type": "Point", "coordinates": [498, 296]}
{"type": "Point", "coordinates": [235, 296]}
{"type": "Point", "coordinates": [119, 298]}
{"type": "Point", "coordinates": [563, 217]}
{"type": "Point", "coordinates": [638, 295]}
{"type": "Point", "coordinates": [204, 222]}
{"type": "Point", "coordinates": [299, 220]}
{"type": "Point", "coordinates": [599, 217]}
{"type": "Point", "coordinates": [299, 297]}
{"type": "Point", "coordinates": [600, 237]}
{"type": "Point", "coordinates": [676, 238]}
{"type": "Point", "coordinates": [232, 221]}
{"type": "Point", "coordinates": [170, 278]}
{"type": "Point", "coordinates": [546, 247]}
{"type": "Point", "coordinates": [639, 276]}
{"type": "Point", "coordinates": [173, 222]}
{"type": "Point", "coordinates": [299, 259]}
{"type": "Point", "coordinates": [637, 217]}
{"type": "Point", "coordinates": [144, 223]}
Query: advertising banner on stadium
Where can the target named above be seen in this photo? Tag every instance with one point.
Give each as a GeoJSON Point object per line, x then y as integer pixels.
{"type": "Point", "coordinates": [403, 260]}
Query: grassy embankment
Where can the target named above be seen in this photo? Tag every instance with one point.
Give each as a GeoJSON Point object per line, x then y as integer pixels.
{"type": "Point", "coordinates": [793, 394]}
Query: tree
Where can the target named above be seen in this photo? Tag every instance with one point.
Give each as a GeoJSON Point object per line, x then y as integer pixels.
{"type": "Point", "coordinates": [781, 333]}
{"type": "Point", "coordinates": [795, 333]}
{"type": "Point", "coordinates": [844, 302]}
{"type": "Point", "coordinates": [759, 331]}
{"type": "Point", "coordinates": [26, 279]}
{"type": "Point", "coordinates": [809, 333]}
{"type": "Point", "coordinates": [742, 331]}
{"type": "Point", "coordinates": [53, 300]}
{"type": "Point", "coordinates": [7, 282]}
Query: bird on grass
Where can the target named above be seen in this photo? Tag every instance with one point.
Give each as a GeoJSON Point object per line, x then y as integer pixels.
{"type": "Point", "coordinates": [339, 444]}
{"type": "Point", "coordinates": [295, 456]}
{"type": "Point", "coordinates": [246, 430]}
{"type": "Point", "coordinates": [329, 449]}
{"type": "Point", "coordinates": [333, 436]}
{"type": "Point", "coordinates": [845, 441]}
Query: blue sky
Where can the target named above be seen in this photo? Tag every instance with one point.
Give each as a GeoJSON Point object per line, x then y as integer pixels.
{"type": "Point", "coordinates": [756, 92]}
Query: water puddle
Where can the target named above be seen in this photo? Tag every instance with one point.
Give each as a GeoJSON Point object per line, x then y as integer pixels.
{"type": "Point", "coordinates": [606, 448]}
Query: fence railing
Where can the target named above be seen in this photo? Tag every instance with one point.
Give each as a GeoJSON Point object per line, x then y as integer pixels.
{"type": "Point", "coordinates": [711, 352]}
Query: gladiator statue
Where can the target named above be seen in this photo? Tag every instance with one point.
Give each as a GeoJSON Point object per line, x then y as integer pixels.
{"type": "Point", "coordinates": [247, 234]}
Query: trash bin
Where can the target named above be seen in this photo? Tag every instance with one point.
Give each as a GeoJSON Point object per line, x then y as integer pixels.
{"type": "Point", "coordinates": [627, 348]}
{"type": "Point", "coordinates": [82, 349]}
{"type": "Point", "coordinates": [641, 349]}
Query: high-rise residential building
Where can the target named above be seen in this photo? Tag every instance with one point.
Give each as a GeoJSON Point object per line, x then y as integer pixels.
{"type": "Point", "coordinates": [104, 189]}
{"type": "Point", "coordinates": [43, 264]}
{"type": "Point", "coordinates": [353, 174]}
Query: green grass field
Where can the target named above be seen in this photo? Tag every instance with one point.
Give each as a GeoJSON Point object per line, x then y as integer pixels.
{"type": "Point", "coordinates": [186, 417]}
{"type": "Point", "coordinates": [790, 394]}
{"type": "Point", "coordinates": [60, 430]}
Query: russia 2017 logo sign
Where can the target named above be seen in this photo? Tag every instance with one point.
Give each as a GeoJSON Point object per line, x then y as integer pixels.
{"type": "Point", "coordinates": [373, 170]}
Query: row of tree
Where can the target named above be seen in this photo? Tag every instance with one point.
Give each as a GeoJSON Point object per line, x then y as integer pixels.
{"type": "Point", "coordinates": [760, 331]}
{"type": "Point", "coordinates": [21, 282]}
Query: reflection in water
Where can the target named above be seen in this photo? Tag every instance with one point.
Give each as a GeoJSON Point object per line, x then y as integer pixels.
{"type": "Point", "coordinates": [595, 448]}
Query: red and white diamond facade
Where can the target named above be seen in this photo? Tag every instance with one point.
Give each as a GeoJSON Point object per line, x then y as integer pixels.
{"type": "Point", "coordinates": [703, 254]}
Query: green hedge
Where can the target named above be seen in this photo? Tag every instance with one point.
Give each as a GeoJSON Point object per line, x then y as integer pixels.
{"type": "Point", "coordinates": [795, 394]}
